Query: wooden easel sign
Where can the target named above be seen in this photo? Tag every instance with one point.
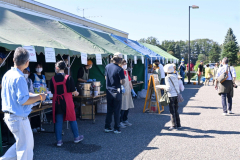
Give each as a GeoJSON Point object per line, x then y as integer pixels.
{"type": "Point", "coordinates": [153, 81]}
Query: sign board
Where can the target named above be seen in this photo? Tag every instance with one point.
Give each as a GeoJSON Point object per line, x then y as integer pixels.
{"type": "Point", "coordinates": [153, 82]}
{"type": "Point", "coordinates": [98, 59]}
{"type": "Point", "coordinates": [32, 53]}
{"type": "Point", "coordinates": [125, 57]}
{"type": "Point", "coordinates": [50, 55]}
{"type": "Point", "coordinates": [84, 58]}
{"type": "Point", "coordinates": [135, 59]}
{"type": "Point", "coordinates": [142, 59]}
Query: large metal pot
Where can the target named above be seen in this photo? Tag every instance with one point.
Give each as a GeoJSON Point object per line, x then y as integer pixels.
{"type": "Point", "coordinates": [97, 86]}
{"type": "Point", "coordinates": [84, 89]}
{"type": "Point", "coordinates": [135, 78]}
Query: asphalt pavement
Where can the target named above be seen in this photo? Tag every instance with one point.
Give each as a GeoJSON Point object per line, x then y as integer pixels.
{"type": "Point", "coordinates": [206, 133]}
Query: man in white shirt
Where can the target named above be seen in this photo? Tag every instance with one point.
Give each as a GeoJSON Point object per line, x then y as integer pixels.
{"type": "Point", "coordinates": [225, 89]}
{"type": "Point", "coordinates": [162, 82]}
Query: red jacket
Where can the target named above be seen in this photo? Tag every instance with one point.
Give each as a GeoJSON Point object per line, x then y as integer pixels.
{"type": "Point", "coordinates": [191, 67]}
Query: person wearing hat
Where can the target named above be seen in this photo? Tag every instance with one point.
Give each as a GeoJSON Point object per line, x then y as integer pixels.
{"type": "Point", "coordinates": [182, 69]}
{"type": "Point", "coordinates": [200, 72]}
{"type": "Point", "coordinates": [172, 88]}
{"type": "Point", "coordinates": [26, 73]}
{"type": "Point", "coordinates": [115, 78]}
{"type": "Point", "coordinates": [62, 86]}
{"type": "Point", "coordinates": [83, 72]}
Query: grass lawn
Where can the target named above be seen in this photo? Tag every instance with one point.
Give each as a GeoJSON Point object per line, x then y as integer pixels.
{"type": "Point", "coordinates": [237, 68]}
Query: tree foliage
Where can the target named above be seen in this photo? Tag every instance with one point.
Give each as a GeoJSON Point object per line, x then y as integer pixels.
{"type": "Point", "coordinates": [214, 54]}
{"type": "Point", "coordinates": [230, 51]}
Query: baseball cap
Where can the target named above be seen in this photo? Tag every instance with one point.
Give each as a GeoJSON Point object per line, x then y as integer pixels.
{"type": "Point", "coordinates": [118, 55]}
{"type": "Point", "coordinates": [2, 55]}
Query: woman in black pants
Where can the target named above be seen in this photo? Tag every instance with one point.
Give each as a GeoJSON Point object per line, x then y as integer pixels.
{"type": "Point", "coordinates": [172, 88]}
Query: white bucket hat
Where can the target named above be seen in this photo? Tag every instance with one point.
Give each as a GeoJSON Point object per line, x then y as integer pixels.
{"type": "Point", "coordinates": [168, 68]}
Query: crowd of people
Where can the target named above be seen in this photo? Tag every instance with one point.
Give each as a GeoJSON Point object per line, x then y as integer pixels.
{"type": "Point", "coordinates": [18, 85]}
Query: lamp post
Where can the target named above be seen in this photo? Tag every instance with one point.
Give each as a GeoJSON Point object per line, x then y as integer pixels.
{"type": "Point", "coordinates": [189, 78]}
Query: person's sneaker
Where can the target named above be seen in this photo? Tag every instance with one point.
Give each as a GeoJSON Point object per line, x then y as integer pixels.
{"type": "Point", "coordinates": [179, 127]}
{"type": "Point", "coordinates": [117, 131]}
{"type": "Point", "coordinates": [126, 123]}
{"type": "Point", "coordinates": [122, 125]}
{"type": "Point", "coordinates": [78, 139]}
{"type": "Point", "coordinates": [41, 129]}
{"type": "Point", "coordinates": [34, 130]}
{"type": "Point", "coordinates": [171, 128]}
{"type": "Point", "coordinates": [230, 112]}
{"type": "Point", "coordinates": [107, 130]}
{"type": "Point", "coordinates": [224, 114]}
{"type": "Point", "coordinates": [59, 143]}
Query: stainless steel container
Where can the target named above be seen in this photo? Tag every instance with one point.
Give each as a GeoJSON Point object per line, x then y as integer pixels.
{"type": "Point", "coordinates": [84, 89]}
{"type": "Point", "coordinates": [97, 86]}
{"type": "Point", "coordinates": [135, 78]}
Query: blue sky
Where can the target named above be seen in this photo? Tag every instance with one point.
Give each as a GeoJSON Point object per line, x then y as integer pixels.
{"type": "Point", "coordinates": [163, 19]}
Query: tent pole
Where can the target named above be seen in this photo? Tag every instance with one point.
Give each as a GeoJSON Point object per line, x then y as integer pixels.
{"type": "Point", "coordinates": [6, 58]}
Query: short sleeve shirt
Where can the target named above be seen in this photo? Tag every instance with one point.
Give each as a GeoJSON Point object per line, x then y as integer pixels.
{"type": "Point", "coordinates": [201, 67]}
{"type": "Point", "coordinates": [113, 74]}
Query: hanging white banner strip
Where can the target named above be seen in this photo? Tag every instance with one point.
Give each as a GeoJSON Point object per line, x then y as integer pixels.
{"type": "Point", "coordinates": [32, 53]}
{"type": "Point", "coordinates": [49, 55]}
{"type": "Point", "coordinates": [135, 59]}
{"type": "Point", "coordinates": [98, 59]}
{"type": "Point", "coordinates": [84, 58]}
{"type": "Point", "coordinates": [142, 59]}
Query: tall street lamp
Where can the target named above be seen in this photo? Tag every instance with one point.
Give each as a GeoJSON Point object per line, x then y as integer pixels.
{"type": "Point", "coordinates": [189, 77]}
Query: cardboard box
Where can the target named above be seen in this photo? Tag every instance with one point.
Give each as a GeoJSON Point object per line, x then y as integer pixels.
{"type": "Point", "coordinates": [86, 112]}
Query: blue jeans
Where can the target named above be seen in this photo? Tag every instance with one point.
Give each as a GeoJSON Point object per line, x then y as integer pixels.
{"type": "Point", "coordinates": [224, 102]}
{"type": "Point", "coordinates": [124, 115]}
{"type": "Point", "coordinates": [59, 124]}
{"type": "Point", "coordinates": [162, 83]}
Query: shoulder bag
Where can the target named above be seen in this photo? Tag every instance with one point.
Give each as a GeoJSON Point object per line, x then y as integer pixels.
{"type": "Point", "coordinates": [180, 98]}
{"type": "Point", "coordinates": [164, 100]}
{"type": "Point", "coordinates": [223, 77]}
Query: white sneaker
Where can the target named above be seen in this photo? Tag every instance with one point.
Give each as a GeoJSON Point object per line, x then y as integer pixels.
{"type": "Point", "coordinates": [41, 129]}
{"type": "Point", "coordinates": [34, 130]}
{"type": "Point", "coordinates": [230, 112]}
{"type": "Point", "coordinates": [224, 114]}
{"type": "Point", "coordinates": [126, 123]}
{"type": "Point", "coordinates": [122, 125]}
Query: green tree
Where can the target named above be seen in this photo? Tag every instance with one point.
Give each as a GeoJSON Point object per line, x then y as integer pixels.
{"type": "Point", "coordinates": [230, 37]}
{"type": "Point", "coordinates": [177, 51]}
{"type": "Point", "coordinates": [230, 51]}
{"type": "Point", "coordinates": [201, 57]}
{"type": "Point", "coordinates": [171, 49]}
{"type": "Point", "coordinates": [214, 54]}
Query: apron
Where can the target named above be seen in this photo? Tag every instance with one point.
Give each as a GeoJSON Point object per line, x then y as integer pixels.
{"type": "Point", "coordinates": [84, 77]}
{"type": "Point", "coordinates": [127, 101]}
{"type": "Point", "coordinates": [39, 85]}
{"type": "Point", "coordinates": [70, 111]}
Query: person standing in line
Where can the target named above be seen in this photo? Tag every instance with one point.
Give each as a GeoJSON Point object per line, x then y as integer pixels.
{"type": "Point", "coordinates": [172, 88]}
{"type": "Point", "coordinates": [207, 75]}
{"type": "Point", "coordinates": [114, 79]}
{"type": "Point", "coordinates": [127, 102]}
{"type": "Point", "coordinates": [62, 86]}
{"type": "Point", "coordinates": [215, 72]}
{"type": "Point", "coordinates": [16, 105]}
{"type": "Point", "coordinates": [182, 69]}
{"type": "Point", "coordinates": [200, 72]}
{"type": "Point", "coordinates": [162, 80]}
{"type": "Point", "coordinates": [157, 71]}
{"type": "Point", "coordinates": [225, 89]}
{"type": "Point", "coordinates": [220, 63]}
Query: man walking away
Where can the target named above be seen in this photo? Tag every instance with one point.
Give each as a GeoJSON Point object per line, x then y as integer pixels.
{"type": "Point", "coordinates": [114, 78]}
{"type": "Point", "coordinates": [200, 72]}
{"type": "Point", "coordinates": [16, 105]}
{"type": "Point", "coordinates": [225, 89]}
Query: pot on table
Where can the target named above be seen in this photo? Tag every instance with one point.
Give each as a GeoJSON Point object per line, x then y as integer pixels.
{"type": "Point", "coordinates": [84, 89]}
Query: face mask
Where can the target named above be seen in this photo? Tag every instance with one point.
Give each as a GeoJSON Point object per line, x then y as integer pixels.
{"type": "Point", "coordinates": [25, 76]}
{"type": "Point", "coordinates": [39, 70]}
{"type": "Point", "coordinates": [124, 67]}
{"type": "Point", "coordinates": [90, 67]}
